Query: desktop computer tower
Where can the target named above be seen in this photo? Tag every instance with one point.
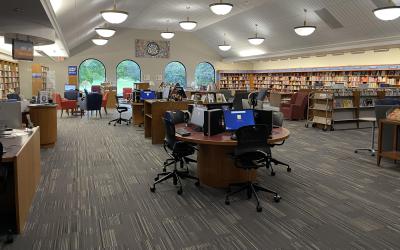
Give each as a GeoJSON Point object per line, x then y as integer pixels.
{"type": "Point", "coordinates": [213, 122]}
{"type": "Point", "coordinates": [264, 117]}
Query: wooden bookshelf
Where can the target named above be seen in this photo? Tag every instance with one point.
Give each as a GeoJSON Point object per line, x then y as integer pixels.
{"type": "Point", "coordinates": [9, 78]}
{"type": "Point", "coordinates": [39, 78]}
{"type": "Point", "coordinates": [293, 80]}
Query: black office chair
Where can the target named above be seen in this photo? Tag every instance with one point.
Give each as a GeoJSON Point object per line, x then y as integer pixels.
{"type": "Point", "coordinates": [252, 152]}
{"type": "Point", "coordinates": [120, 110]}
{"type": "Point", "coordinates": [252, 99]}
{"type": "Point", "coordinates": [179, 152]}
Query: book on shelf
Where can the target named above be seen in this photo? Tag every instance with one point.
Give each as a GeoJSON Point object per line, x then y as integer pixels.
{"type": "Point", "coordinates": [343, 103]}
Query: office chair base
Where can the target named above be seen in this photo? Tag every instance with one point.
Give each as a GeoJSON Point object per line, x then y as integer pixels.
{"type": "Point", "coordinates": [176, 178]}
{"type": "Point", "coordinates": [251, 190]}
{"type": "Point", "coordinates": [277, 162]}
{"type": "Point", "coordinates": [366, 149]}
{"type": "Point", "coordinates": [119, 121]}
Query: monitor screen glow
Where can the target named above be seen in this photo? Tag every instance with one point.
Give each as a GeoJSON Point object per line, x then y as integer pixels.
{"type": "Point", "coordinates": [235, 119]}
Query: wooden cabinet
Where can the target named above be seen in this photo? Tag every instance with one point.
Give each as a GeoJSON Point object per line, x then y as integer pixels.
{"type": "Point", "coordinates": [394, 153]}
{"type": "Point", "coordinates": [45, 116]}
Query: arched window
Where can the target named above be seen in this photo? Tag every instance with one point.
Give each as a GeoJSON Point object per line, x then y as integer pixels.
{"type": "Point", "coordinates": [204, 74]}
{"type": "Point", "coordinates": [175, 72]}
{"type": "Point", "coordinates": [128, 73]}
{"type": "Point", "coordinates": [91, 72]}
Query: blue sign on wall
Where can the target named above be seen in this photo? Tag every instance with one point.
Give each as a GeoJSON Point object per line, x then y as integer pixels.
{"type": "Point", "coordinates": [72, 70]}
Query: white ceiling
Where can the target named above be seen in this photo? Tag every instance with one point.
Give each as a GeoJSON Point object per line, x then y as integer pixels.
{"type": "Point", "coordinates": [276, 19]}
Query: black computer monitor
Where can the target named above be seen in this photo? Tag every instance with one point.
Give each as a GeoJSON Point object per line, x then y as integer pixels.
{"type": "Point", "coordinates": [235, 119]}
{"type": "Point", "coordinates": [147, 94]}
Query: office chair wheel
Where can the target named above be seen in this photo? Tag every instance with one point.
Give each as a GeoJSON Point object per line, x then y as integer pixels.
{"type": "Point", "coordinates": [156, 178]}
{"type": "Point", "coordinates": [109, 123]}
{"type": "Point", "coordinates": [152, 189]}
{"type": "Point", "coordinates": [227, 202]}
{"type": "Point", "coordinates": [180, 191]}
{"type": "Point", "coordinates": [259, 209]}
{"type": "Point", "coordinates": [277, 198]}
{"type": "Point", "coordinates": [289, 169]}
{"type": "Point", "coordinates": [115, 125]}
{"type": "Point", "coordinates": [175, 182]}
{"type": "Point", "coordinates": [306, 125]}
{"type": "Point", "coordinates": [332, 129]}
{"type": "Point", "coordinates": [272, 173]}
{"type": "Point", "coordinates": [197, 183]}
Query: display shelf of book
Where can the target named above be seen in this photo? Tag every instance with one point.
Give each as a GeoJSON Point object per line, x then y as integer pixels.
{"type": "Point", "coordinates": [9, 78]}
{"type": "Point", "coordinates": [319, 112]}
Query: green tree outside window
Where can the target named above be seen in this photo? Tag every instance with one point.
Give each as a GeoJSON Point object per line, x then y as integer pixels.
{"type": "Point", "coordinates": [128, 73]}
{"type": "Point", "coordinates": [204, 74]}
{"type": "Point", "coordinates": [174, 73]}
{"type": "Point", "coordinates": [91, 72]}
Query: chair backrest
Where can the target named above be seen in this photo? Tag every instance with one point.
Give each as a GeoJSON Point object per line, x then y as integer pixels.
{"type": "Point", "coordinates": [250, 140]}
{"type": "Point", "coordinates": [175, 116]}
{"type": "Point", "coordinates": [237, 100]}
{"type": "Point", "coordinates": [301, 98]}
{"type": "Point", "coordinates": [71, 95]}
{"type": "Point", "coordinates": [13, 96]}
{"type": "Point", "coordinates": [294, 98]}
{"type": "Point", "coordinates": [126, 92]}
{"type": "Point", "coordinates": [105, 96]}
{"type": "Point", "coordinates": [277, 118]}
{"type": "Point", "coordinates": [93, 101]}
{"type": "Point", "coordinates": [57, 99]}
{"type": "Point", "coordinates": [170, 139]}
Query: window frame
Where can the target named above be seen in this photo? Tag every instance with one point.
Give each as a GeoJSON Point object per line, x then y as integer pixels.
{"type": "Point", "coordinates": [215, 72]}
{"type": "Point", "coordinates": [183, 67]}
{"type": "Point", "coordinates": [91, 58]}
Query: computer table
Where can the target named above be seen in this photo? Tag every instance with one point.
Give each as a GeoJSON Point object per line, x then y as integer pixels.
{"type": "Point", "coordinates": [215, 165]}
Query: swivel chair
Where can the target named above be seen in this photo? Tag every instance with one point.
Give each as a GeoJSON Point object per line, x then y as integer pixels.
{"type": "Point", "coordinates": [179, 152]}
{"type": "Point", "coordinates": [120, 110]}
{"type": "Point", "coordinates": [252, 152]}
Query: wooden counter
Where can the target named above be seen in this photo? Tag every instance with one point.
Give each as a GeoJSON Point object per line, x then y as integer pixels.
{"type": "Point", "coordinates": [45, 116]}
{"type": "Point", "coordinates": [22, 157]}
{"type": "Point", "coordinates": [137, 113]}
{"type": "Point", "coordinates": [153, 112]}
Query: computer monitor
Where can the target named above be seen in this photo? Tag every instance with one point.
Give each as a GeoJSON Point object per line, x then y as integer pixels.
{"type": "Point", "coordinates": [147, 94]}
{"type": "Point", "coordinates": [264, 117]}
{"type": "Point", "coordinates": [198, 116]}
{"type": "Point", "coordinates": [10, 115]}
{"type": "Point", "coordinates": [68, 87]}
{"type": "Point", "coordinates": [235, 119]}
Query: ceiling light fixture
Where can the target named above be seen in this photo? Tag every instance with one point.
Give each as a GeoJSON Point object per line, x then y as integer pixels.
{"type": "Point", "coordinates": [105, 32]}
{"type": "Point", "coordinates": [100, 41]}
{"type": "Point", "coordinates": [114, 15]}
{"type": "Point", "coordinates": [224, 47]}
{"type": "Point", "coordinates": [221, 8]}
{"type": "Point", "coordinates": [305, 30]}
{"type": "Point", "coordinates": [256, 40]}
{"type": "Point", "coordinates": [167, 34]}
{"type": "Point", "coordinates": [388, 13]}
{"type": "Point", "coordinates": [188, 25]}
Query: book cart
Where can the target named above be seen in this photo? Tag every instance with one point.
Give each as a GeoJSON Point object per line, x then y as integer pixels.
{"type": "Point", "coordinates": [319, 111]}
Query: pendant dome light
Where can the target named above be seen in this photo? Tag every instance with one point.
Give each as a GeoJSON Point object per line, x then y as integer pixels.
{"type": "Point", "coordinates": [224, 46]}
{"type": "Point", "coordinates": [188, 25]}
{"type": "Point", "coordinates": [105, 32]}
{"type": "Point", "coordinates": [114, 15]}
{"type": "Point", "coordinates": [304, 30]}
{"type": "Point", "coordinates": [100, 41]}
{"type": "Point", "coordinates": [221, 8]}
{"type": "Point", "coordinates": [167, 34]}
{"type": "Point", "coordinates": [388, 13]}
{"type": "Point", "coordinates": [256, 40]}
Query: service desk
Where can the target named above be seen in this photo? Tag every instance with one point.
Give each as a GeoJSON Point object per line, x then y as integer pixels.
{"type": "Point", "coordinates": [45, 116]}
{"type": "Point", "coordinates": [215, 165]}
{"type": "Point", "coordinates": [154, 112]}
{"type": "Point", "coordinates": [22, 160]}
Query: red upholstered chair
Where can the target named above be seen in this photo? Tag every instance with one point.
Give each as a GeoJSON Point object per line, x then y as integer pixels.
{"type": "Point", "coordinates": [104, 101]}
{"type": "Point", "coordinates": [126, 92]}
{"type": "Point", "coordinates": [64, 104]}
{"type": "Point", "coordinates": [296, 108]}
{"type": "Point", "coordinates": [96, 88]}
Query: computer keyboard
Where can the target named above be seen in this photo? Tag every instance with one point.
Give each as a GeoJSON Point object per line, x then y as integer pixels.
{"type": "Point", "coordinates": [182, 132]}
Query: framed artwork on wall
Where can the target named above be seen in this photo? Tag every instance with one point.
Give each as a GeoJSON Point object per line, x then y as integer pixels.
{"type": "Point", "coordinates": [151, 48]}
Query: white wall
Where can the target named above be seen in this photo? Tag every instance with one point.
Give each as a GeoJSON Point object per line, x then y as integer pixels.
{"type": "Point", "coordinates": [185, 47]}
{"type": "Point", "coordinates": [368, 58]}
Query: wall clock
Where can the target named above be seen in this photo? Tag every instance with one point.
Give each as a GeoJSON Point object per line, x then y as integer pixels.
{"type": "Point", "coordinates": [152, 49]}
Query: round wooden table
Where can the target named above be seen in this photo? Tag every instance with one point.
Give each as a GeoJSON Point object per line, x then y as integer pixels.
{"type": "Point", "coordinates": [215, 166]}
{"type": "Point", "coordinates": [45, 116]}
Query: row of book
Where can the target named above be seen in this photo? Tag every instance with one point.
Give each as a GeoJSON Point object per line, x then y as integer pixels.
{"type": "Point", "coordinates": [343, 103]}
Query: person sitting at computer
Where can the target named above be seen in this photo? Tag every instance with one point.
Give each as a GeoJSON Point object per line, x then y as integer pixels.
{"type": "Point", "coordinates": [177, 93]}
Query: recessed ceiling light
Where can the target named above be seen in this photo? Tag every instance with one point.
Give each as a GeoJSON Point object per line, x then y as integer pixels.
{"type": "Point", "coordinates": [305, 30]}
{"type": "Point", "coordinates": [114, 15]}
{"type": "Point", "coordinates": [221, 8]}
{"type": "Point", "coordinates": [256, 40]}
{"type": "Point", "coordinates": [388, 13]}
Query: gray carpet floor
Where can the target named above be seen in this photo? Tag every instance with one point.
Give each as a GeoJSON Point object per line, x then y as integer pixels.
{"type": "Point", "coordinates": [94, 194]}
